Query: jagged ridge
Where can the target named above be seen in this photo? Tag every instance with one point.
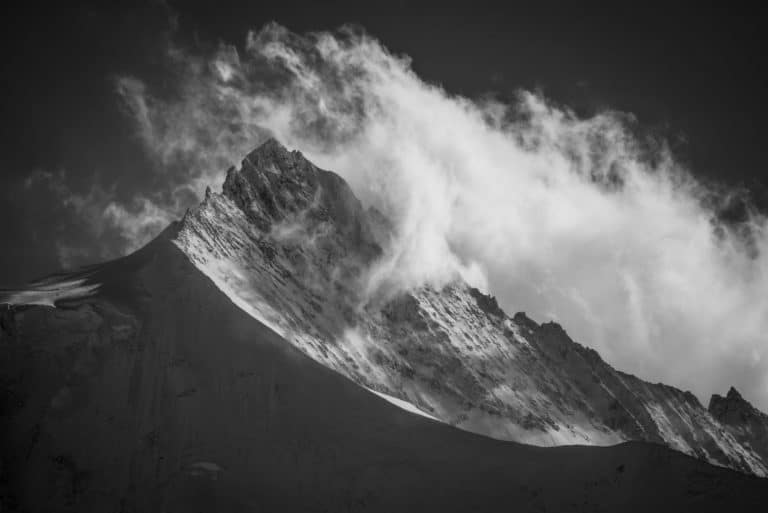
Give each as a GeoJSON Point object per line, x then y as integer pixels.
{"type": "Point", "coordinates": [747, 424]}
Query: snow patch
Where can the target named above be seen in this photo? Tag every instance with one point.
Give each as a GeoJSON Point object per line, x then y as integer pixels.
{"type": "Point", "coordinates": [405, 405]}
{"type": "Point", "coordinates": [47, 293]}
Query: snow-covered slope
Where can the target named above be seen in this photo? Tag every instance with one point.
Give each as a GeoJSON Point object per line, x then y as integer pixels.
{"type": "Point", "coordinates": [154, 392]}
{"type": "Point", "coordinates": [289, 243]}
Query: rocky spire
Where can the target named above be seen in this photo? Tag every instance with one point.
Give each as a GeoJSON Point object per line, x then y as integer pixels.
{"type": "Point", "coordinates": [745, 422]}
{"type": "Point", "coordinates": [733, 409]}
{"type": "Point", "coordinates": [271, 151]}
{"type": "Point", "coordinates": [274, 185]}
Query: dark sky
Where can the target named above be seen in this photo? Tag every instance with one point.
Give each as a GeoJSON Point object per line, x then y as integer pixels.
{"type": "Point", "coordinates": [693, 76]}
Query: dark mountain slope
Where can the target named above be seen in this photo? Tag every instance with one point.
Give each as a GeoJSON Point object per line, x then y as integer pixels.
{"type": "Point", "coordinates": [156, 393]}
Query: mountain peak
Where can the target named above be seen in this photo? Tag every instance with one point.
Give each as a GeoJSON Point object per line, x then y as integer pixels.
{"type": "Point", "coordinates": [748, 424]}
{"type": "Point", "coordinates": [277, 187]}
{"type": "Point", "coordinates": [272, 182]}
{"type": "Point", "coordinates": [271, 148]}
{"type": "Point", "coordinates": [733, 408]}
{"type": "Point", "coordinates": [271, 142]}
{"type": "Point", "coordinates": [272, 156]}
{"type": "Point", "coordinates": [734, 395]}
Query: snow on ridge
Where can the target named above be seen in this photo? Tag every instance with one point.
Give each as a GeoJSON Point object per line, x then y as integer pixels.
{"type": "Point", "coordinates": [48, 292]}
{"type": "Point", "coordinates": [405, 405]}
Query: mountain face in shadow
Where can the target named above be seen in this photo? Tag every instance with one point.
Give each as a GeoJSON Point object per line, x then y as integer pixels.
{"type": "Point", "coordinates": [213, 370]}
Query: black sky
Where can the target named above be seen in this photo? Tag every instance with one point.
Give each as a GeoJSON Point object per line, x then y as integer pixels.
{"type": "Point", "coordinates": [693, 76]}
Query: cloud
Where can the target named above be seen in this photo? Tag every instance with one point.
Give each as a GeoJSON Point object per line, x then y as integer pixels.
{"type": "Point", "coordinates": [138, 222]}
{"type": "Point", "coordinates": [574, 219]}
{"type": "Point", "coordinates": [95, 225]}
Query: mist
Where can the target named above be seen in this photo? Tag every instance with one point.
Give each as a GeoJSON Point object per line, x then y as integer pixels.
{"type": "Point", "coordinates": [577, 220]}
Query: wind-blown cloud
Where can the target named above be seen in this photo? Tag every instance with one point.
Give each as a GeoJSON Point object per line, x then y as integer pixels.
{"type": "Point", "coordinates": [96, 223]}
{"type": "Point", "coordinates": [577, 220]}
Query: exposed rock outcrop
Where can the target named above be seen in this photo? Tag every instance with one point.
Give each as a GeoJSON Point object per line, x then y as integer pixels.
{"type": "Point", "coordinates": [745, 422]}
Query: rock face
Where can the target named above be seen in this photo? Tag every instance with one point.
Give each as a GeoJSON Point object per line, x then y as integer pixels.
{"type": "Point", "coordinates": [156, 393]}
{"type": "Point", "coordinates": [745, 422]}
{"type": "Point", "coordinates": [277, 186]}
{"type": "Point", "coordinates": [291, 244]}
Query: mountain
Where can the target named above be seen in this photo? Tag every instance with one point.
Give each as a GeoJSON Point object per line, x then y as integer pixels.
{"type": "Point", "coordinates": [746, 423]}
{"type": "Point", "coordinates": [219, 368]}
{"type": "Point", "coordinates": [291, 244]}
{"type": "Point", "coordinates": [147, 389]}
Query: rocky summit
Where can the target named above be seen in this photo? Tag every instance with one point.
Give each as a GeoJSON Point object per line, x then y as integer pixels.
{"type": "Point", "coordinates": [746, 423]}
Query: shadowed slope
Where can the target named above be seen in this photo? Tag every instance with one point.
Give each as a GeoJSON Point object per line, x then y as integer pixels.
{"type": "Point", "coordinates": [158, 394]}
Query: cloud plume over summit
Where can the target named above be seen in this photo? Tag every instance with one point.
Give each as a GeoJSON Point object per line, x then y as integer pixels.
{"type": "Point", "coordinates": [573, 219]}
